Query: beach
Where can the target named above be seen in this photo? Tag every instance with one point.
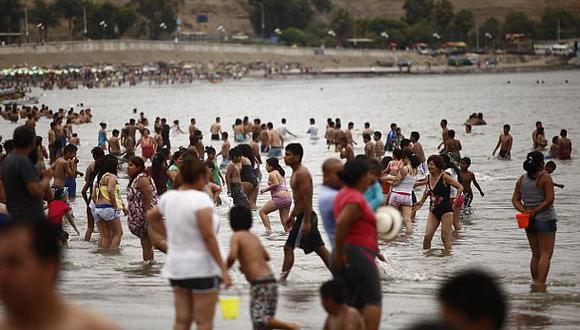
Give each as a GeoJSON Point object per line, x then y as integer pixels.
{"type": "Point", "coordinates": [117, 285]}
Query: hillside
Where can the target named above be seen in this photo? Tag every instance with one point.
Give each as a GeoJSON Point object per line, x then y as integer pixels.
{"type": "Point", "coordinates": [234, 14]}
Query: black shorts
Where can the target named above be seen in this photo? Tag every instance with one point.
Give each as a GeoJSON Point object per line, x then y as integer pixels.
{"type": "Point", "coordinates": [361, 280]}
{"type": "Point", "coordinates": [198, 285]}
{"type": "Point", "coordinates": [308, 243]}
{"type": "Point", "coordinates": [215, 137]}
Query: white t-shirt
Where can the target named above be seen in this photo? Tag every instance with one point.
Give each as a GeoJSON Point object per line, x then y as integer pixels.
{"type": "Point", "coordinates": [453, 174]}
{"type": "Point", "coordinates": [187, 254]}
{"type": "Point", "coordinates": [282, 130]}
{"type": "Point", "coordinates": [313, 131]}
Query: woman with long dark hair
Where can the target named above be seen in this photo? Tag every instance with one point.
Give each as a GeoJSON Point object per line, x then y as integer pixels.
{"type": "Point", "coordinates": [90, 175]}
{"type": "Point", "coordinates": [438, 190]}
{"type": "Point", "coordinates": [159, 170]}
{"type": "Point", "coordinates": [281, 198]}
{"type": "Point", "coordinates": [108, 204]}
{"type": "Point", "coordinates": [141, 197]}
{"type": "Point", "coordinates": [534, 194]}
{"type": "Point", "coordinates": [401, 196]}
{"type": "Point", "coordinates": [194, 264]}
{"type": "Point", "coordinates": [248, 176]}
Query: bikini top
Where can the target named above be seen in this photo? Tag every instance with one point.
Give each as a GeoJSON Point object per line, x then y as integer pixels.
{"type": "Point", "coordinates": [278, 188]}
{"type": "Point", "coordinates": [103, 190]}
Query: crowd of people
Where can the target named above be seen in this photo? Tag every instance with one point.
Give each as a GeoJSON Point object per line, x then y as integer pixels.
{"type": "Point", "coordinates": [172, 195]}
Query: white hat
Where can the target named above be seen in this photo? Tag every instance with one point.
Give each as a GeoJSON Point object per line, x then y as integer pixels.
{"type": "Point", "coordinates": [389, 221]}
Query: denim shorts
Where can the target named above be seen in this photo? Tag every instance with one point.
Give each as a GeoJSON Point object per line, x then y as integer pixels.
{"type": "Point", "coordinates": [541, 227]}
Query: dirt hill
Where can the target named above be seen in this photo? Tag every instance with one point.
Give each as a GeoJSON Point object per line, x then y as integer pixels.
{"type": "Point", "coordinates": [234, 14]}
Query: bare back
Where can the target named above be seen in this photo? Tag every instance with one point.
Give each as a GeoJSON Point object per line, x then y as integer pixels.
{"type": "Point", "coordinates": [251, 255]}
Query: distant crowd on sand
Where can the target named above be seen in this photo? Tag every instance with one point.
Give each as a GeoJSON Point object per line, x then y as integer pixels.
{"type": "Point", "coordinates": [173, 193]}
{"type": "Point", "coordinates": [160, 73]}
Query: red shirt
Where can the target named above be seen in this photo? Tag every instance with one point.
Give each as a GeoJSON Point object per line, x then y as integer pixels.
{"type": "Point", "coordinates": [363, 232]}
{"type": "Point", "coordinates": [56, 211]}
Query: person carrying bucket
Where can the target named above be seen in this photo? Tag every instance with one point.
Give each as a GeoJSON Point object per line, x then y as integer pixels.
{"type": "Point", "coordinates": [534, 196]}
{"type": "Point", "coordinates": [246, 247]}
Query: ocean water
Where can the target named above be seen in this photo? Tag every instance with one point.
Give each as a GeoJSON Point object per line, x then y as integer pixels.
{"type": "Point", "coordinates": [117, 285]}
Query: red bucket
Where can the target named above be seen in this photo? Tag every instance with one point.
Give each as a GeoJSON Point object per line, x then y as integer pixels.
{"type": "Point", "coordinates": [523, 220]}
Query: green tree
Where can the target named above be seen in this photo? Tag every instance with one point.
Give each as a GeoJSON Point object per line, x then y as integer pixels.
{"type": "Point", "coordinates": [280, 14]}
{"type": "Point", "coordinates": [421, 31]}
{"type": "Point", "coordinates": [69, 9]}
{"type": "Point", "coordinates": [417, 10]}
{"type": "Point", "coordinates": [342, 24]}
{"type": "Point", "coordinates": [159, 15]}
{"type": "Point", "coordinates": [548, 27]}
{"type": "Point", "coordinates": [293, 36]}
{"type": "Point", "coordinates": [11, 13]}
{"type": "Point", "coordinates": [462, 24]}
{"type": "Point", "coordinates": [116, 20]}
{"type": "Point", "coordinates": [44, 14]}
{"type": "Point", "coordinates": [489, 32]}
{"type": "Point", "coordinates": [518, 22]}
{"type": "Point", "coordinates": [443, 16]}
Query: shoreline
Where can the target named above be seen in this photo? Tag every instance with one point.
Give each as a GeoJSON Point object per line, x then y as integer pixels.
{"type": "Point", "coordinates": [287, 61]}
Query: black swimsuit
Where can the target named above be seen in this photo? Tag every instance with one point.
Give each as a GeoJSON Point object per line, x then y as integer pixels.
{"type": "Point", "coordinates": [440, 200]}
{"type": "Point", "coordinates": [247, 175]}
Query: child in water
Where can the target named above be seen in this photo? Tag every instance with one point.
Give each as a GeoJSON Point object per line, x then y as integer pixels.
{"type": "Point", "coordinates": [246, 247]}
{"type": "Point", "coordinates": [340, 315]}
{"type": "Point", "coordinates": [467, 177]}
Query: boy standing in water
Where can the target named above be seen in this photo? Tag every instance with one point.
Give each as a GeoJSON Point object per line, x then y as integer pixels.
{"type": "Point", "coordinates": [225, 152]}
{"type": "Point", "coordinates": [340, 315]}
{"type": "Point", "coordinates": [564, 145]}
{"type": "Point", "coordinates": [504, 144]}
{"type": "Point", "coordinates": [115, 144]}
{"type": "Point", "coordinates": [467, 177]}
{"type": "Point", "coordinates": [246, 247]}
{"type": "Point", "coordinates": [379, 145]}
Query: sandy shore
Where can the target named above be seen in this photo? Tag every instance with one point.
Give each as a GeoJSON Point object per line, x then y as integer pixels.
{"type": "Point", "coordinates": [332, 62]}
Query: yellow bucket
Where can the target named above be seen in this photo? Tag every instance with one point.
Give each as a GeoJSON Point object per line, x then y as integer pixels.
{"type": "Point", "coordinates": [230, 307]}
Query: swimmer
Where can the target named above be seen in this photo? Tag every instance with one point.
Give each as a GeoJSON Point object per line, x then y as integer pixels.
{"type": "Point", "coordinates": [115, 143]}
{"type": "Point", "coordinates": [281, 198]}
{"type": "Point", "coordinates": [346, 151]}
{"type": "Point", "coordinates": [239, 135]}
{"type": "Point", "coordinates": [367, 129]}
{"type": "Point", "coordinates": [452, 147]}
{"type": "Point", "coordinates": [554, 152]}
{"type": "Point", "coordinates": [304, 222]}
{"type": "Point", "coordinates": [348, 134]}
{"type": "Point", "coordinates": [275, 142]}
{"type": "Point", "coordinates": [441, 209]}
{"type": "Point", "coordinates": [467, 177]}
{"type": "Point", "coordinates": [535, 133]}
{"type": "Point", "coordinates": [564, 145]}
{"type": "Point", "coordinates": [504, 144]}
{"type": "Point", "coordinates": [444, 133]}
{"type": "Point", "coordinates": [379, 146]}
{"type": "Point", "coordinates": [369, 146]}
{"type": "Point", "coordinates": [312, 130]}
{"type": "Point", "coordinates": [247, 249]}
{"type": "Point", "coordinates": [215, 129]}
